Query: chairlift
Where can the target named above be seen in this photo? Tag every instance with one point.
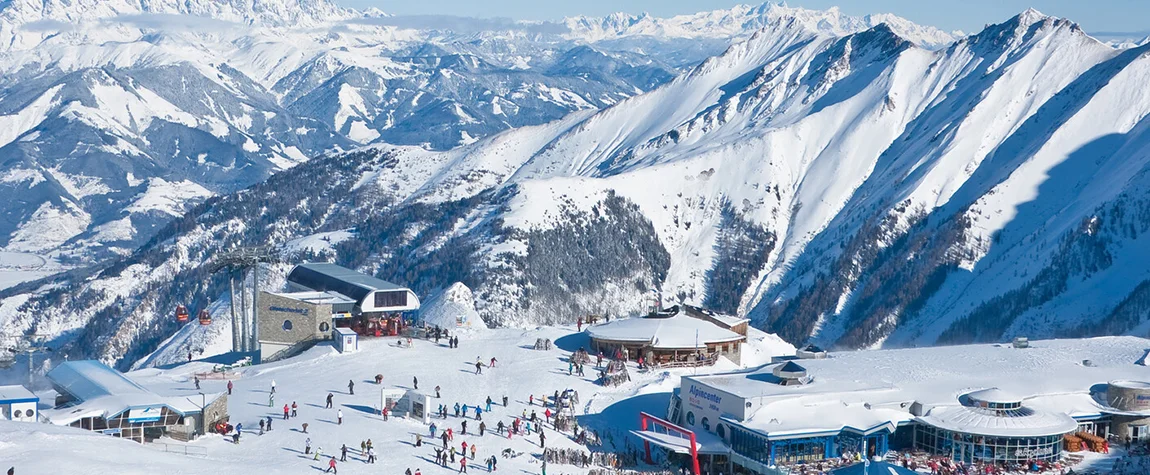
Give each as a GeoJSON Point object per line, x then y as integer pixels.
{"type": "Point", "coordinates": [181, 314]}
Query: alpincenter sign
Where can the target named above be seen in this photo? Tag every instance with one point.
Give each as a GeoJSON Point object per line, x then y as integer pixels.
{"type": "Point", "coordinates": [700, 398]}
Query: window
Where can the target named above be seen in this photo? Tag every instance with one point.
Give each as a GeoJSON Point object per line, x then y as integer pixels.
{"type": "Point", "coordinates": [690, 418]}
{"type": "Point", "coordinates": [323, 326]}
{"type": "Point", "coordinates": [396, 298]}
{"type": "Point", "coordinates": [722, 431]}
{"type": "Point", "coordinates": [287, 325]}
{"type": "Point", "coordinates": [706, 424]}
{"type": "Point", "coordinates": [18, 414]}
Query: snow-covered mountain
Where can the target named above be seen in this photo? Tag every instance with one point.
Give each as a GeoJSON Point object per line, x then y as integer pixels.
{"type": "Point", "coordinates": [855, 191]}
{"type": "Point", "coordinates": [107, 104]}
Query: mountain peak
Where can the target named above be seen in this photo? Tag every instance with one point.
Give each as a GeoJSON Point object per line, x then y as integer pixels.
{"type": "Point", "coordinates": [275, 13]}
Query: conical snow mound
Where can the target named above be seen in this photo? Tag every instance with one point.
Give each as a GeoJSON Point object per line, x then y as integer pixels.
{"type": "Point", "coordinates": [452, 308]}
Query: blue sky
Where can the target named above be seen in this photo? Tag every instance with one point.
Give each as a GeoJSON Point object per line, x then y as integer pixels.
{"type": "Point", "coordinates": [966, 15]}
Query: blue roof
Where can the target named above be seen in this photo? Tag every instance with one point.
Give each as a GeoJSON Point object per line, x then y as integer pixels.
{"type": "Point", "coordinates": [90, 379]}
{"type": "Point", "coordinates": [876, 468]}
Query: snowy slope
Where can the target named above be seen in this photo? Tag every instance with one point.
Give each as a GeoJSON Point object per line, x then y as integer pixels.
{"type": "Point", "coordinates": [854, 191]}
{"type": "Point", "coordinates": [519, 372]}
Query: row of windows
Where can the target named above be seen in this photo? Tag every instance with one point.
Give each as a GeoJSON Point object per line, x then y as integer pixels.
{"type": "Point", "coordinates": [18, 413]}
{"type": "Point", "coordinates": [975, 448]}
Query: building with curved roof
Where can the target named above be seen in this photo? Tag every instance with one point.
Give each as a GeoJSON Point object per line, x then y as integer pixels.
{"type": "Point", "coordinates": [677, 334]}
{"type": "Point", "coordinates": [974, 403]}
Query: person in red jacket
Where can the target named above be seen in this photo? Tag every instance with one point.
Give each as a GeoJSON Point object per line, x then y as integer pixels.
{"type": "Point", "coordinates": [285, 412]}
{"type": "Point", "coordinates": [331, 466]}
{"type": "Point", "coordinates": [229, 388]}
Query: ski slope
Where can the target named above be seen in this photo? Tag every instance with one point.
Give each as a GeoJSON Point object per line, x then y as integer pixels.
{"type": "Point", "coordinates": [307, 379]}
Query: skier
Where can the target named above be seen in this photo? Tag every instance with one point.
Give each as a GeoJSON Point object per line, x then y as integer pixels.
{"type": "Point", "coordinates": [339, 416]}
{"type": "Point", "coordinates": [271, 399]}
{"type": "Point", "coordinates": [318, 453]}
{"type": "Point", "coordinates": [273, 386]}
{"type": "Point", "coordinates": [331, 466]}
{"type": "Point", "coordinates": [343, 453]}
{"type": "Point", "coordinates": [499, 427]}
{"type": "Point", "coordinates": [431, 430]}
{"type": "Point", "coordinates": [384, 412]}
{"type": "Point", "coordinates": [415, 383]}
{"type": "Point", "coordinates": [547, 414]}
{"type": "Point", "coordinates": [444, 437]}
{"type": "Point", "coordinates": [307, 446]}
{"type": "Point", "coordinates": [362, 449]}
{"type": "Point", "coordinates": [239, 427]}
{"type": "Point", "coordinates": [236, 438]}
{"type": "Point", "coordinates": [494, 463]}
{"type": "Point", "coordinates": [351, 387]}
{"type": "Point", "coordinates": [530, 400]}
{"type": "Point", "coordinates": [229, 388]}
{"type": "Point", "coordinates": [197, 379]}
{"type": "Point", "coordinates": [329, 400]}
{"type": "Point", "coordinates": [478, 367]}
{"type": "Point", "coordinates": [473, 449]}
{"type": "Point", "coordinates": [285, 412]}
{"type": "Point", "coordinates": [489, 464]}
{"type": "Point", "coordinates": [478, 413]}
{"type": "Point", "coordinates": [463, 427]}
{"type": "Point", "coordinates": [482, 428]}
{"type": "Point", "coordinates": [463, 465]}
{"type": "Point", "coordinates": [492, 361]}
{"type": "Point", "coordinates": [488, 404]}
{"type": "Point", "coordinates": [457, 409]}
{"type": "Point", "coordinates": [261, 427]}
{"type": "Point", "coordinates": [293, 409]}
{"type": "Point", "coordinates": [437, 392]}
{"type": "Point", "coordinates": [542, 439]}
{"type": "Point", "coordinates": [370, 455]}
{"type": "Point", "coordinates": [463, 446]}
{"type": "Point", "coordinates": [269, 423]}
{"type": "Point", "coordinates": [504, 401]}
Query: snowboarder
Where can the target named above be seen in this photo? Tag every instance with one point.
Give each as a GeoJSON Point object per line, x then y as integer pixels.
{"type": "Point", "coordinates": [285, 412]}
{"type": "Point", "coordinates": [197, 379]}
{"type": "Point", "coordinates": [437, 392]}
{"type": "Point", "coordinates": [343, 453]}
{"type": "Point", "coordinates": [351, 387]}
{"type": "Point", "coordinates": [229, 388]}
{"type": "Point", "coordinates": [273, 386]}
{"type": "Point", "coordinates": [294, 407]}
{"type": "Point", "coordinates": [307, 446]}
{"type": "Point", "coordinates": [339, 417]}
{"type": "Point", "coordinates": [415, 383]}
{"type": "Point", "coordinates": [329, 400]}
{"type": "Point", "coordinates": [261, 427]}
{"type": "Point", "coordinates": [331, 466]}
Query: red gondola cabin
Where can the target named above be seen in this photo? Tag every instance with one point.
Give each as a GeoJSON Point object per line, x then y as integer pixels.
{"type": "Point", "coordinates": [181, 314]}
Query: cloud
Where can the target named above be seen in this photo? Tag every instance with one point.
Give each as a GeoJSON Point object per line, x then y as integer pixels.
{"type": "Point", "coordinates": [47, 26]}
{"type": "Point", "coordinates": [462, 25]}
{"type": "Point", "coordinates": [164, 21]}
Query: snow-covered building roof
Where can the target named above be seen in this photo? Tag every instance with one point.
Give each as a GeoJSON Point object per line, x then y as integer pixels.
{"type": "Point", "coordinates": [97, 390]}
{"type": "Point", "coordinates": [371, 293]}
{"type": "Point", "coordinates": [1034, 391]}
{"type": "Point", "coordinates": [16, 393]}
{"type": "Point", "coordinates": [675, 330]}
{"type": "Point", "coordinates": [317, 298]}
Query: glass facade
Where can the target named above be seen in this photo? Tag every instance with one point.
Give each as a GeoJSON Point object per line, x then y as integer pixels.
{"type": "Point", "coordinates": [808, 449]}
{"type": "Point", "coordinates": [969, 448]}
